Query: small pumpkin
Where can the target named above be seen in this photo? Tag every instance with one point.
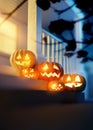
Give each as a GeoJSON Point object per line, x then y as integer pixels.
{"type": "Point", "coordinates": [55, 86]}
{"type": "Point", "coordinates": [23, 59]}
{"type": "Point", "coordinates": [49, 70]}
{"type": "Point", "coordinates": [73, 82]}
{"type": "Point", "coordinates": [29, 73]}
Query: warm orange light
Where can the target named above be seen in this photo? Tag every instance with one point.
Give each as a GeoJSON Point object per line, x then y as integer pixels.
{"type": "Point", "coordinates": [55, 67]}
{"type": "Point", "coordinates": [27, 57]}
{"type": "Point", "coordinates": [8, 36]}
{"type": "Point", "coordinates": [73, 82]}
{"type": "Point", "coordinates": [70, 85]}
{"type": "Point", "coordinates": [77, 79]}
{"type": "Point", "coordinates": [29, 73]}
{"type": "Point", "coordinates": [8, 28]}
{"type": "Point", "coordinates": [23, 59]}
{"type": "Point", "coordinates": [49, 70]}
{"type": "Point", "coordinates": [18, 57]}
{"type": "Point", "coordinates": [68, 78]}
{"type": "Point", "coordinates": [45, 67]}
{"type": "Point", "coordinates": [50, 74]}
{"type": "Point", "coordinates": [55, 86]}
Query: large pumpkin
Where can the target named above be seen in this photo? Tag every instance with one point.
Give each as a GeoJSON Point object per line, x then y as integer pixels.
{"type": "Point", "coordinates": [23, 59]}
{"type": "Point", "coordinates": [73, 82]}
{"type": "Point", "coordinates": [49, 70]}
{"type": "Point", "coordinates": [29, 73]}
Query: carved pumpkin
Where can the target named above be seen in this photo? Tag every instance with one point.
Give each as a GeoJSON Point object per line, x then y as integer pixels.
{"type": "Point", "coordinates": [29, 73]}
{"type": "Point", "coordinates": [73, 82]}
{"type": "Point", "coordinates": [49, 70]}
{"type": "Point", "coordinates": [55, 85]}
{"type": "Point", "coordinates": [23, 59]}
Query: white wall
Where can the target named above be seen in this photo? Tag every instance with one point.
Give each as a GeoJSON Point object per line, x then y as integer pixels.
{"type": "Point", "coordinates": [21, 42]}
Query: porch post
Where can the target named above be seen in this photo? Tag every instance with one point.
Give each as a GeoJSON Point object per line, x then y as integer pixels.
{"type": "Point", "coordinates": [34, 28]}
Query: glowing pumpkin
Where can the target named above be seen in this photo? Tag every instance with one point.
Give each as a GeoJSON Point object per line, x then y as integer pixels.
{"type": "Point", "coordinates": [23, 59]}
{"type": "Point", "coordinates": [29, 73]}
{"type": "Point", "coordinates": [55, 86]}
{"type": "Point", "coordinates": [49, 70]}
{"type": "Point", "coordinates": [73, 82]}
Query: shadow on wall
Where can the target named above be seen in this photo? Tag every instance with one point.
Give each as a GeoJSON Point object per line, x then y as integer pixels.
{"type": "Point", "coordinates": [88, 67]}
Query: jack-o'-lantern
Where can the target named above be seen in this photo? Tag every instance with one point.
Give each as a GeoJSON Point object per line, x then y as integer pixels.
{"type": "Point", "coordinates": [55, 86]}
{"type": "Point", "coordinates": [29, 73]}
{"type": "Point", "coordinates": [23, 59]}
{"type": "Point", "coordinates": [49, 70]}
{"type": "Point", "coordinates": [73, 82]}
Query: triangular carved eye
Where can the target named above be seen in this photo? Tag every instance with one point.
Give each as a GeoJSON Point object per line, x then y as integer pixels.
{"type": "Point", "coordinates": [55, 67]}
{"type": "Point", "coordinates": [77, 79]}
{"type": "Point", "coordinates": [27, 57]}
{"type": "Point", "coordinates": [45, 67]}
{"type": "Point", "coordinates": [68, 78]}
{"type": "Point", "coordinates": [18, 57]}
{"type": "Point", "coordinates": [24, 71]}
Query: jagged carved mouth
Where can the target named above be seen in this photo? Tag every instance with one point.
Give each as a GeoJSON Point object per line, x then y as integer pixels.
{"type": "Point", "coordinates": [51, 74]}
{"type": "Point", "coordinates": [71, 85]}
{"type": "Point", "coordinates": [22, 63]}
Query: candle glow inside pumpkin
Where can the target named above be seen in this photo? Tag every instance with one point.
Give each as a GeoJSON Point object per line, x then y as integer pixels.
{"type": "Point", "coordinates": [21, 59]}
{"type": "Point", "coordinates": [76, 83]}
{"type": "Point", "coordinates": [55, 86]}
{"type": "Point", "coordinates": [29, 73]}
{"type": "Point", "coordinates": [49, 70]}
{"type": "Point", "coordinates": [73, 82]}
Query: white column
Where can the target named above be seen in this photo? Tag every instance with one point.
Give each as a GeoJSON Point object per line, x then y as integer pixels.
{"type": "Point", "coordinates": [34, 29]}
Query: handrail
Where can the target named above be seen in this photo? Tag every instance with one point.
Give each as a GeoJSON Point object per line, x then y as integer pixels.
{"type": "Point", "coordinates": [51, 35]}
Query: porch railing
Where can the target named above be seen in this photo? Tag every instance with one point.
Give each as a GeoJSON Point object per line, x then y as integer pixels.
{"type": "Point", "coordinates": [53, 49]}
